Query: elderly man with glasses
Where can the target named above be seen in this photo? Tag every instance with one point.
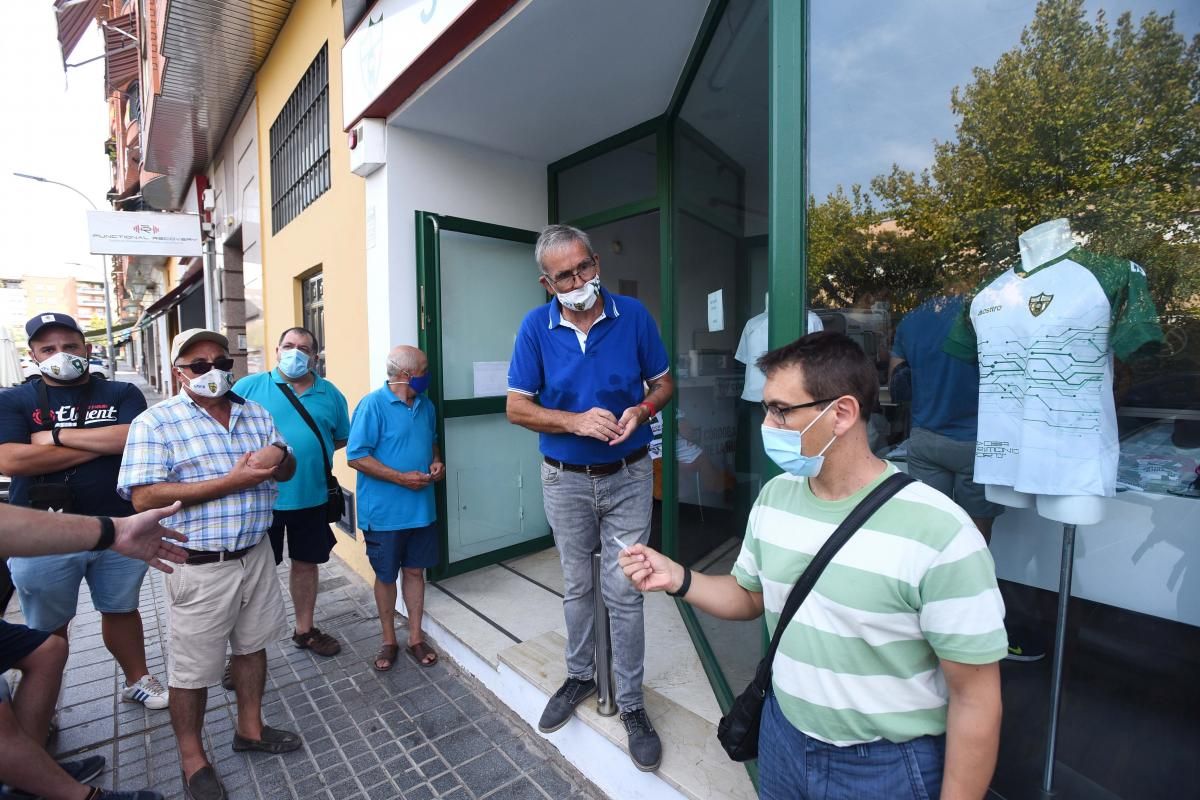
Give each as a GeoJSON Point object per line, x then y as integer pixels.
{"type": "Point", "coordinates": [219, 455]}
{"type": "Point", "coordinates": [577, 376]}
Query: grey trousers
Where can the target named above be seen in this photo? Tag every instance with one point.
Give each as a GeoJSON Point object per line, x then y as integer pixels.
{"type": "Point", "coordinates": [585, 512]}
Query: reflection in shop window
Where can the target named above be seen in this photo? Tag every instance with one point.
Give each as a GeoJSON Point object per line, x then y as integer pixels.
{"type": "Point", "coordinates": [937, 142]}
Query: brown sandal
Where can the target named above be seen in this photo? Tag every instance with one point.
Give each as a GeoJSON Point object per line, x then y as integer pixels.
{"type": "Point", "coordinates": [387, 654]}
{"type": "Point", "coordinates": [420, 652]}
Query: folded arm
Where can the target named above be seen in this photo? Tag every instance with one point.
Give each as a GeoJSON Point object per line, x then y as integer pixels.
{"type": "Point", "coordinates": [370, 465]}
{"type": "Point", "coordinates": [106, 441]}
{"type": "Point", "coordinates": [28, 460]}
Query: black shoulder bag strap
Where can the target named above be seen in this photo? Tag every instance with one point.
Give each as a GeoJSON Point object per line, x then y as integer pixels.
{"type": "Point", "coordinates": [330, 481]}
{"type": "Point", "coordinates": [853, 521]}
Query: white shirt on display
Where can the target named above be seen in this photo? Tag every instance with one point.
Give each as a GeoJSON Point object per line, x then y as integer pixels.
{"type": "Point", "coordinates": [753, 344]}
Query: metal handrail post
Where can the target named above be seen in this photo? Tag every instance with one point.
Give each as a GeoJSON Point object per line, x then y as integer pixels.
{"type": "Point", "coordinates": [606, 703]}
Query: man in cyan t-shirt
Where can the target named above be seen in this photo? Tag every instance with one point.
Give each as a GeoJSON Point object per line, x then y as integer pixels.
{"type": "Point", "coordinates": [61, 439]}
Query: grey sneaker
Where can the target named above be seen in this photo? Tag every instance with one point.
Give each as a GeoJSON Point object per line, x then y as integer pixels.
{"type": "Point", "coordinates": [645, 748]}
{"type": "Point", "coordinates": [562, 706]}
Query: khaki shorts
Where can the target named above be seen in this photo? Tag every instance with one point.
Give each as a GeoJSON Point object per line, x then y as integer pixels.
{"type": "Point", "coordinates": [210, 604]}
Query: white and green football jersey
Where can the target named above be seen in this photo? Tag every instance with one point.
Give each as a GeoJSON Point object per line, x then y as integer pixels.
{"type": "Point", "coordinates": [1045, 341]}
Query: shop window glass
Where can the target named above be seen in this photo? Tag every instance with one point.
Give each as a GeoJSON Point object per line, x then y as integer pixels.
{"type": "Point", "coordinates": [720, 303]}
{"type": "Point", "coordinates": [616, 178]}
{"type": "Point", "coordinates": [937, 138]}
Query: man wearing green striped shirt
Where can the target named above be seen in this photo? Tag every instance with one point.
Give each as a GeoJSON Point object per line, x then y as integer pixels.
{"type": "Point", "coordinates": [886, 683]}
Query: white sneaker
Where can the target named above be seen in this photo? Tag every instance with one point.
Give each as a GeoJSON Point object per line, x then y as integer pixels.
{"type": "Point", "coordinates": [147, 691]}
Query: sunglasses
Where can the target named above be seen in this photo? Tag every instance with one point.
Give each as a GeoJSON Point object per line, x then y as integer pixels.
{"type": "Point", "coordinates": [201, 367]}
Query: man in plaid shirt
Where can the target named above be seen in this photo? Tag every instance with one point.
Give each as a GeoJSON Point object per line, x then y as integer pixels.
{"type": "Point", "coordinates": [220, 456]}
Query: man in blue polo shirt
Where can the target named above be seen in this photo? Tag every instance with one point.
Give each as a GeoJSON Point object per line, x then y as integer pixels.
{"type": "Point", "coordinates": [300, 508]}
{"type": "Point", "coordinates": [393, 445]}
{"type": "Point", "coordinates": [587, 356]}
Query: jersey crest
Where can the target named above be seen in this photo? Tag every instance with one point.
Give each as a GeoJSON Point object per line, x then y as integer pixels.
{"type": "Point", "coordinates": [1039, 303]}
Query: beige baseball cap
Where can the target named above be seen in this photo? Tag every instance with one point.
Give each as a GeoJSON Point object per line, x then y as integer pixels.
{"type": "Point", "coordinates": [186, 339]}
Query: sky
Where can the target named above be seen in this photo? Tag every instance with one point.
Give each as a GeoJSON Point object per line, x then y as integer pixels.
{"type": "Point", "coordinates": [881, 74]}
{"type": "Point", "coordinates": [54, 125]}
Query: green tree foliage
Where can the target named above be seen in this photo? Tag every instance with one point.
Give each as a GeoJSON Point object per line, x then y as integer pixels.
{"type": "Point", "coordinates": [1095, 122]}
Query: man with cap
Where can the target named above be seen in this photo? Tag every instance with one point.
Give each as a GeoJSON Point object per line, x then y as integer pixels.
{"type": "Point", "coordinates": [61, 439]}
{"type": "Point", "coordinates": [220, 456]}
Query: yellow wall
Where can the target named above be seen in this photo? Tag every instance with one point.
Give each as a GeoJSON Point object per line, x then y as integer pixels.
{"type": "Point", "coordinates": [329, 234]}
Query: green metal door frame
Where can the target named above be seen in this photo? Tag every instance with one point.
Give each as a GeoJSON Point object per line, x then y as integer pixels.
{"type": "Point", "coordinates": [787, 265]}
{"type": "Point", "coordinates": [429, 339]}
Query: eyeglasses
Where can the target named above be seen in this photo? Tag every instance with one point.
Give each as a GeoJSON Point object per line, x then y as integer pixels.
{"type": "Point", "coordinates": [779, 413]}
{"type": "Point", "coordinates": [565, 281]}
{"type": "Point", "coordinates": [202, 367]}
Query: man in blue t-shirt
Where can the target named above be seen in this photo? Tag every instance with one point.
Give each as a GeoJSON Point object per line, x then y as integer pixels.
{"type": "Point", "coordinates": [61, 439]}
{"type": "Point", "coordinates": [393, 445]}
{"type": "Point", "coordinates": [577, 377]}
{"type": "Point", "coordinates": [945, 408]}
{"type": "Point", "coordinates": [300, 509]}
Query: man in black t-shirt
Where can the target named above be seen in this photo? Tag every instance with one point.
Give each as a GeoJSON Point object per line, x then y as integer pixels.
{"type": "Point", "coordinates": [61, 439]}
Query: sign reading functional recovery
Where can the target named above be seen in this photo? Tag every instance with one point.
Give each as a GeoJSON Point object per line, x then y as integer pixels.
{"type": "Point", "coordinates": [144, 233]}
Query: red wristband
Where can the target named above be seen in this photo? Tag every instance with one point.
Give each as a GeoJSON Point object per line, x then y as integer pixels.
{"type": "Point", "coordinates": [649, 408]}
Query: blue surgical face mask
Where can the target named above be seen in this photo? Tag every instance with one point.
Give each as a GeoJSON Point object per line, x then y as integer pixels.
{"type": "Point", "coordinates": [418, 383]}
{"type": "Point", "coordinates": [783, 446]}
{"type": "Point", "coordinates": [293, 363]}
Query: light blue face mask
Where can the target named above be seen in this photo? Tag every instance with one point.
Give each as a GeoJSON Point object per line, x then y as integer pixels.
{"type": "Point", "coordinates": [783, 446]}
{"type": "Point", "coordinates": [293, 363]}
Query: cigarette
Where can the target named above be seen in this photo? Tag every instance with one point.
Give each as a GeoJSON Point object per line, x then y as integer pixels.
{"type": "Point", "coordinates": [624, 547]}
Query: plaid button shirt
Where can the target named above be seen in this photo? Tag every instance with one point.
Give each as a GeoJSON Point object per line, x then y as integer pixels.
{"type": "Point", "coordinates": [176, 441]}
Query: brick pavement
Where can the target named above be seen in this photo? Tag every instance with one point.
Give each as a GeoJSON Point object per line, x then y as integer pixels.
{"type": "Point", "coordinates": [409, 733]}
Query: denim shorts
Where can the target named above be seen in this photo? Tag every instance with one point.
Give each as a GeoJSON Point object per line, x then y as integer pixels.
{"type": "Point", "coordinates": [388, 551]}
{"type": "Point", "coordinates": [793, 765]}
{"type": "Point", "coordinates": [48, 586]}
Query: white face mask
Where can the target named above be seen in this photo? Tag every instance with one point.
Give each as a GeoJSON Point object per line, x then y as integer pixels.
{"type": "Point", "coordinates": [214, 383]}
{"type": "Point", "coordinates": [63, 366]}
{"type": "Point", "coordinates": [583, 298]}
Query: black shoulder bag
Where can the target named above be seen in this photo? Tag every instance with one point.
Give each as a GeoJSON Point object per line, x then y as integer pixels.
{"type": "Point", "coordinates": [55, 496]}
{"type": "Point", "coordinates": [738, 730]}
{"type": "Point", "coordinates": [335, 504]}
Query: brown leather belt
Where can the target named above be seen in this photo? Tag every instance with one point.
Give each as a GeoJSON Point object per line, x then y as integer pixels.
{"type": "Point", "coordinates": [599, 469]}
{"type": "Point", "coordinates": [214, 556]}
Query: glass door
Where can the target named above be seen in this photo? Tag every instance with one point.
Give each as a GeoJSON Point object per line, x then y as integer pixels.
{"type": "Point", "coordinates": [475, 283]}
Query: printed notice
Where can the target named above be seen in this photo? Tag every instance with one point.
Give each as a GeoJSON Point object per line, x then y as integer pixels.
{"type": "Point", "coordinates": [716, 311]}
{"type": "Point", "coordinates": [491, 378]}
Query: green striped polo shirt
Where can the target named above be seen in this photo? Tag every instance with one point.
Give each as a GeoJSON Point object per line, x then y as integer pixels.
{"type": "Point", "coordinates": [859, 661]}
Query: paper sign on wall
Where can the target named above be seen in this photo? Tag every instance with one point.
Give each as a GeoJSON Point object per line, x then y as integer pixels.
{"type": "Point", "coordinates": [716, 311]}
{"type": "Point", "coordinates": [491, 378]}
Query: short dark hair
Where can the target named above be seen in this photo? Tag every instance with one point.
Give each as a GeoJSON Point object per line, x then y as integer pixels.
{"type": "Point", "coordinates": [832, 364]}
{"type": "Point", "coordinates": [312, 337]}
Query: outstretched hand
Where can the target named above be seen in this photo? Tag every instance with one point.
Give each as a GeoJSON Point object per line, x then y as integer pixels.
{"type": "Point", "coordinates": [649, 570]}
{"type": "Point", "coordinates": [142, 537]}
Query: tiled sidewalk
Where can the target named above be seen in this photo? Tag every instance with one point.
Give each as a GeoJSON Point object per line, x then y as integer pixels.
{"type": "Point", "coordinates": [410, 733]}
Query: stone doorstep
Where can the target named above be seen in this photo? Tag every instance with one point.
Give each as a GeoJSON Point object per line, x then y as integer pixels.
{"type": "Point", "coordinates": [693, 761]}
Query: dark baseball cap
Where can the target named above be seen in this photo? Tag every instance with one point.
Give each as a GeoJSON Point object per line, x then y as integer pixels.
{"type": "Point", "coordinates": [54, 318]}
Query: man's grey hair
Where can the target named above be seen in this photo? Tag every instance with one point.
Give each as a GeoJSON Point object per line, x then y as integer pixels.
{"type": "Point", "coordinates": [553, 237]}
{"type": "Point", "coordinates": [404, 358]}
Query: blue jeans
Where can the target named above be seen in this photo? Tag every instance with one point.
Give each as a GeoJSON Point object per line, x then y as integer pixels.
{"type": "Point", "coordinates": [585, 512]}
{"type": "Point", "coordinates": [792, 765]}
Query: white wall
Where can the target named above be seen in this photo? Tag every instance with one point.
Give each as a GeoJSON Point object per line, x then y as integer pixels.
{"type": "Point", "coordinates": [426, 172]}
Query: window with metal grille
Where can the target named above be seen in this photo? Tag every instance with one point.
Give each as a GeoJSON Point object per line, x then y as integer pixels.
{"type": "Point", "coordinates": [300, 170]}
{"type": "Point", "coordinates": [312, 300]}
